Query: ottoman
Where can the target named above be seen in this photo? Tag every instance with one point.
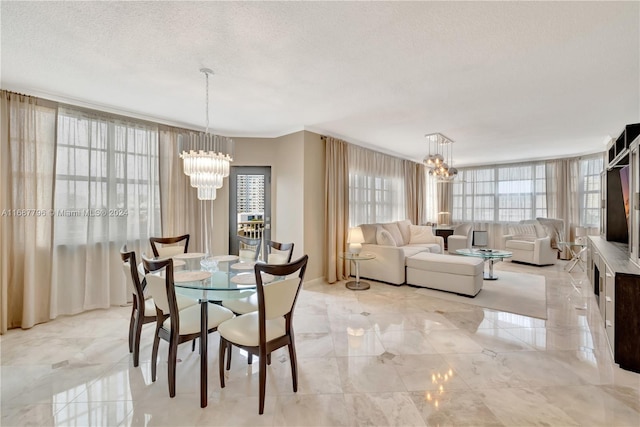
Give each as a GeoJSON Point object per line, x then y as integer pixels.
{"type": "Point", "coordinates": [461, 275]}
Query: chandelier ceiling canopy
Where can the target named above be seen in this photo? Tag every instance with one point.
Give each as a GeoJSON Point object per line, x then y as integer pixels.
{"type": "Point", "coordinates": [206, 157]}
{"type": "Point", "coordinates": [439, 161]}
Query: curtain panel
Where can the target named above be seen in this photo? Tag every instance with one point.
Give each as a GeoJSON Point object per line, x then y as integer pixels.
{"type": "Point", "coordinates": [107, 194]}
{"type": "Point", "coordinates": [336, 207]}
{"type": "Point", "coordinates": [27, 159]}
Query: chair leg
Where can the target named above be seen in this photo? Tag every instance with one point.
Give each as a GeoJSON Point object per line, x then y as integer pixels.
{"type": "Point", "coordinates": [250, 359]}
{"type": "Point", "coordinates": [136, 341]}
{"type": "Point", "coordinates": [193, 345]}
{"type": "Point", "coordinates": [173, 360]}
{"type": "Point", "coordinates": [154, 355]}
{"type": "Point", "coordinates": [263, 379]}
{"type": "Point", "coordinates": [294, 365]}
{"type": "Point", "coordinates": [131, 326]}
{"type": "Point", "coordinates": [269, 359]}
{"type": "Point", "coordinates": [221, 353]}
{"type": "Point", "coordinates": [229, 359]}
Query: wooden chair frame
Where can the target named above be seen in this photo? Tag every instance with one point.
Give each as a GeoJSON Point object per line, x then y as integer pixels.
{"type": "Point", "coordinates": [138, 317]}
{"type": "Point", "coordinates": [279, 247]}
{"type": "Point", "coordinates": [250, 241]}
{"type": "Point", "coordinates": [168, 241]}
{"type": "Point", "coordinates": [265, 348]}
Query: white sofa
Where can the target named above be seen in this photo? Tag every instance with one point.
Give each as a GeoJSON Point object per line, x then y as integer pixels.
{"type": "Point", "coordinates": [393, 243]}
{"type": "Point", "coordinates": [531, 243]}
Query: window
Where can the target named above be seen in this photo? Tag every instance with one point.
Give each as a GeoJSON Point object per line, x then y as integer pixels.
{"type": "Point", "coordinates": [376, 187]}
{"type": "Point", "coordinates": [589, 170]}
{"type": "Point", "coordinates": [107, 186]}
{"type": "Point", "coordinates": [508, 193]}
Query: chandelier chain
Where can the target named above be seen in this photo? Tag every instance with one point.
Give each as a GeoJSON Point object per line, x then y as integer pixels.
{"type": "Point", "coordinates": [206, 76]}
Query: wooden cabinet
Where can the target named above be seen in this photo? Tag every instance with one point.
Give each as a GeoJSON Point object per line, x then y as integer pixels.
{"type": "Point", "coordinates": [627, 336]}
{"type": "Point", "coordinates": [616, 285]}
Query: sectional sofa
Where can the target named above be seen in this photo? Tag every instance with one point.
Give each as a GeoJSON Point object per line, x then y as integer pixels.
{"type": "Point", "coordinates": [393, 243]}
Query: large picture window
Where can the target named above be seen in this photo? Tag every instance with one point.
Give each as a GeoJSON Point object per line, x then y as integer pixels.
{"type": "Point", "coordinates": [508, 193]}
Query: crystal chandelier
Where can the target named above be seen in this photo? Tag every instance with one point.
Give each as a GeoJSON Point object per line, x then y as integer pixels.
{"type": "Point", "coordinates": [206, 157]}
{"type": "Point", "coordinates": [439, 160]}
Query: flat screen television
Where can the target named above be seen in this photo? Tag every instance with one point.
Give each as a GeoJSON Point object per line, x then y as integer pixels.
{"type": "Point", "coordinates": [624, 183]}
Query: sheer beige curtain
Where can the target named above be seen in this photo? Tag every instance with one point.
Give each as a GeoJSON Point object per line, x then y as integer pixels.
{"type": "Point", "coordinates": [27, 160]}
{"type": "Point", "coordinates": [415, 192]}
{"type": "Point", "coordinates": [562, 202]}
{"type": "Point", "coordinates": [337, 207]}
{"type": "Point", "coordinates": [181, 210]}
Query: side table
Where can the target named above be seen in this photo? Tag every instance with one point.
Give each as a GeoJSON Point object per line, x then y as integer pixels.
{"type": "Point", "coordinates": [576, 257]}
{"type": "Point", "coordinates": [444, 233]}
{"type": "Point", "coordinates": [357, 285]}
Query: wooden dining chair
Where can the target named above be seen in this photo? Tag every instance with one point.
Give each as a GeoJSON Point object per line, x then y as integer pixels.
{"type": "Point", "coordinates": [143, 310]}
{"type": "Point", "coordinates": [175, 325]}
{"type": "Point", "coordinates": [249, 248]}
{"type": "Point", "coordinates": [271, 327]}
{"type": "Point", "coordinates": [277, 253]}
{"type": "Point", "coordinates": [164, 247]}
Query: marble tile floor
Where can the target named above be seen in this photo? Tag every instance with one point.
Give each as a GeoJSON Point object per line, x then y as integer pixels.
{"type": "Point", "coordinates": [382, 357]}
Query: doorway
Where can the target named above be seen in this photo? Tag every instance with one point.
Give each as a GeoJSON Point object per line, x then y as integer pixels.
{"type": "Point", "coordinates": [249, 204]}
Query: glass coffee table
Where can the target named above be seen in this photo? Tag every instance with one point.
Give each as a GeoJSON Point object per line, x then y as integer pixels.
{"type": "Point", "coordinates": [491, 255]}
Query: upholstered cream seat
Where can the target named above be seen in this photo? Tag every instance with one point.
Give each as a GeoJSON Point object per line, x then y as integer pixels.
{"type": "Point", "coordinates": [175, 325]}
{"type": "Point", "coordinates": [271, 327]}
{"type": "Point", "coordinates": [461, 238]}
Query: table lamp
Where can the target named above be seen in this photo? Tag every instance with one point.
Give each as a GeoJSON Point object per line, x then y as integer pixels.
{"type": "Point", "coordinates": [355, 239]}
{"type": "Point", "coordinates": [443, 218]}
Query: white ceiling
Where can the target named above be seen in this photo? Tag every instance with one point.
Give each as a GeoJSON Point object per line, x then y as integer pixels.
{"type": "Point", "coordinates": [507, 80]}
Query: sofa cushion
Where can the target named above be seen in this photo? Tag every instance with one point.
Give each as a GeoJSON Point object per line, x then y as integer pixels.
{"type": "Point", "coordinates": [421, 234]}
{"type": "Point", "coordinates": [384, 238]}
{"type": "Point", "coordinates": [526, 232]}
{"type": "Point", "coordinates": [393, 228]}
{"type": "Point", "coordinates": [369, 232]}
{"type": "Point", "coordinates": [405, 230]}
{"type": "Point", "coordinates": [412, 250]}
{"type": "Point", "coordinates": [464, 266]}
{"type": "Point", "coordinates": [434, 248]}
{"type": "Point", "coordinates": [520, 244]}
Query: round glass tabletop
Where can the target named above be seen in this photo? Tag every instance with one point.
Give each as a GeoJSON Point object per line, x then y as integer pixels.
{"type": "Point", "coordinates": [485, 253]}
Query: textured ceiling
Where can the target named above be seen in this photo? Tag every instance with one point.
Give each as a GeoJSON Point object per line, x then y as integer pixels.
{"type": "Point", "coordinates": [507, 81]}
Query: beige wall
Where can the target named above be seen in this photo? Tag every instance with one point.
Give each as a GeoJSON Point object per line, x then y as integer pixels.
{"type": "Point", "coordinates": [297, 193]}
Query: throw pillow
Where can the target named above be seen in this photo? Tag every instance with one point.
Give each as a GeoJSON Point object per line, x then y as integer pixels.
{"type": "Point", "coordinates": [393, 229]}
{"type": "Point", "coordinates": [421, 234]}
{"type": "Point", "coordinates": [385, 238]}
{"type": "Point", "coordinates": [404, 230]}
{"type": "Point", "coordinates": [369, 232]}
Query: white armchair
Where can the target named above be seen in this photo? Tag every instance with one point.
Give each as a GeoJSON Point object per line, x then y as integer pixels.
{"type": "Point", "coordinates": [530, 243]}
{"type": "Point", "coordinates": [461, 238]}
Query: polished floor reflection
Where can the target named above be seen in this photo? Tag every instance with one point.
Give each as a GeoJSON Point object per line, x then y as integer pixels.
{"type": "Point", "coordinates": [385, 356]}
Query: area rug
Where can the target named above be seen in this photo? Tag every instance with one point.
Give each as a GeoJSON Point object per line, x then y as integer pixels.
{"type": "Point", "coordinates": [517, 293]}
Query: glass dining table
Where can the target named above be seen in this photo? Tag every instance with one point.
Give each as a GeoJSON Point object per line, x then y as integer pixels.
{"type": "Point", "coordinates": [223, 283]}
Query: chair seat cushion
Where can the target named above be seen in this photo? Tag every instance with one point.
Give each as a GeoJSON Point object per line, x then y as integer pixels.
{"type": "Point", "coordinates": [242, 305]}
{"type": "Point", "coordinates": [243, 330]}
{"type": "Point", "coordinates": [520, 244]}
{"type": "Point", "coordinates": [190, 318]}
{"type": "Point", "coordinates": [183, 302]}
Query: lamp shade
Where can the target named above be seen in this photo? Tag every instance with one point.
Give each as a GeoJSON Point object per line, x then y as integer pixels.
{"type": "Point", "coordinates": [355, 239]}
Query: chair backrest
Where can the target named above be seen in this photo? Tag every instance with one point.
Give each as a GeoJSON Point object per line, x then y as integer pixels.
{"type": "Point", "coordinates": [249, 248]}
{"type": "Point", "coordinates": [463, 230]}
{"type": "Point", "coordinates": [279, 253]}
{"type": "Point", "coordinates": [278, 298]}
{"type": "Point", "coordinates": [162, 289]}
{"type": "Point", "coordinates": [130, 271]}
{"type": "Point", "coordinates": [173, 245]}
